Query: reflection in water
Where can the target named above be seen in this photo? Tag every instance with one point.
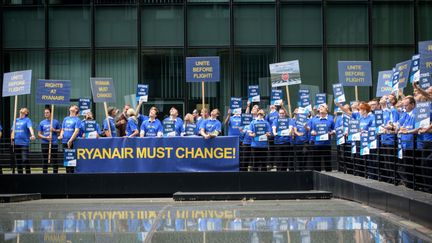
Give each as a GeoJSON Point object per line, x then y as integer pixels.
{"type": "Point", "coordinates": [223, 224]}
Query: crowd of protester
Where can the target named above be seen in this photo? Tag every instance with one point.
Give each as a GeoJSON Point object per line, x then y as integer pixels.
{"type": "Point", "coordinates": [307, 136]}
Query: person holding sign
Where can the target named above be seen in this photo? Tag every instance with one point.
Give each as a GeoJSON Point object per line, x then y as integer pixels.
{"type": "Point", "coordinates": [406, 127]}
{"type": "Point", "coordinates": [260, 130]}
{"type": "Point", "coordinates": [211, 127]}
{"type": "Point", "coordinates": [272, 115]}
{"type": "Point", "coordinates": [204, 116]}
{"type": "Point", "coordinates": [70, 128]}
{"type": "Point", "coordinates": [22, 134]}
{"type": "Point", "coordinates": [112, 112]}
{"type": "Point", "coordinates": [190, 128]}
{"type": "Point", "coordinates": [132, 124]}
{"type": "Point", "coordinates": [151, 127]}
{"type": "Point", "coordinates": [322, 128]}
{"type": "Point", "coordinates": [172, 124]}
{"type": "Point", "coordinates": [46, 133]}
{"type": "Point", "coordinates": [233, 123]}
{"type": "Point", "coordinates": [282, 131]}
{"type": "Point", "coordinates": [301, 137]}
{"type": "Point", "coordinates": [246, 141]}
{"type": "Point", "coordinates": [89, 127]}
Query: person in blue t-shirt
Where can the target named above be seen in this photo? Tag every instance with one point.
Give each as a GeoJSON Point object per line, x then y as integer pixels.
{"type": "Point", "coordinates": [112, 112]}
{"type": "Point", "coordinates": [282, 128]}
{"type": "Point", "coordinates": [406, 127]}
{"type": "Point", "coordinates": [174, 120]}
{"type": "Point", "coordinates": [260, 130]}
{"type": "Point", "coordinates": [152, 127]}
{"type": "Point", "coordinates": [132, 124]}
{"type": "Point", "coordinates": [70, 129]}
{"type": "Point", "coordinates": [89, 127]}
{"type": "Point", "coordinates": [211, 127]}
{"type": "Point", "coordinates": [190, 128]}
{"type": "Point", "coordinates": [47, 133]}
{"type": "Point", "coordinates": [233, 123]}
{"type": "Point", "coordinates": [322, 129]}
{"type": "Point", "coordinates": [367, 120]}
{"type": "Point", "coordinates": [22, 133]}
{"type": "Point", "coordinates": [301, 138]}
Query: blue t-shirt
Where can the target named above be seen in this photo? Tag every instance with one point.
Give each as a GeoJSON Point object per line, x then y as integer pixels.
{"type": "Point", "coordinates": [141, 119]}
{"type": "Point", "coordinates": [260, 128]}
{"type": "Point", "coordinates": [301, 129]}
{"type": "Point", "coordinates": [151, 128]}
{"type": "Point", "coordinates": [283, 127]}
{"type": "Point", "coordinates": [190, 129]}
{"type": "Point", "coordinates": [44, 128]}
{"type": "Point", "coordinates": [112, 126]}
{"type": "Point", "coordinates": [234, 126]}
{"type": "Point", "coordinates": [70, 123]}
{"type": "Point", "coordinates": [22, 131]}
{"type": "Point", "coordinates": [272, 116]}
{"type": "Point", "coordinates": [131, 126]}
{"type": "Point", "coordinates": [408, 123]}
{"type": "Point", "coordinates": [210, 126]}
{"type": "Point", "coordinates": [178, 125]}
{"type": "Point", "coordinates": [389, 115]}
{"type": "Point", "coordinates": [322, 126]}
{"type": "Point", "coordinates": [89, 128]}
{"type": "Point", "coordinates": [366, 122]}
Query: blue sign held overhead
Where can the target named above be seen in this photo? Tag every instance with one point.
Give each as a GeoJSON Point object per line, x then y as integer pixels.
{"type": "Point", "coordinates": [253, 93]}
{"type": "Point", "coordinates": [339, 93]}
{"type": "Point", "coordinates": [425, 71]}
{"type": "Point", "coordinates": [84, 105]}
{"type": "Point", "coordinates": [425, 47]}
{"type": "Point", "coordinates": [355, 73]}
{"type": "Point", "coordinates": [395, 81]}
{"type": "Point", "coordinates": [385, 83]}
{"type": "Point", "coordinates": [199, 69]}
{"type": "Point", "coordinates": [236, 105]}
{"type": "Point", "coordinates": [54, 92]}
{"type": "Point", "coordinates": [17, 83]}
{"type": "Point", "coordinates": [404, 69]}
{"type": "Point", "coordinates": [320, 98]}
{"type": "Point", "coordinates": [102, 90]}
{"type": "Point", "coordinates": [187, 154]}
{"type": "Point", "coordinates": [415, 69]}
{"type": "Point", "coordinates": [142, 93]}
{"type": "Point", "coordinates": [276, 97]}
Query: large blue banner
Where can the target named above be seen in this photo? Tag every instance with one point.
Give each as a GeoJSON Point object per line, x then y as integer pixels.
{"type": "Point", "coordinates": [200, 69]}
{"type": "Point", "coordinates": [17, 83]}
{"type": "Point", "coordinates": [355, 73]}
{"type": "Point", "coordinates": [175, 154]}
{"type": "Point", "coordinates": [55, 92]}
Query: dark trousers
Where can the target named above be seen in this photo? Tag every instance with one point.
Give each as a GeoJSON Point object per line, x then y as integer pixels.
{"type": "Point", "coordinates": [300, 156]}
{"type": "Point", "coordinates": [282, 157]}
{"type": "Point", "coordinates": [69, 169]}
{"type": "Point", "coordinates": [322, 157]}
{"type": "Point", "coordinates": [260, 158]}
{"type": "Point", "coordinates": [387, 162]}
{"type": "Point", "coordinates": [372, 164]}
{"type": "Point", "coordinates": [404, 168]}
{"type": "Point", "coordinates": [54, 157]}
{"type": "Point", "coordinates": [21, 157]}
{"type": "Point", "coordinates": [424, 171]}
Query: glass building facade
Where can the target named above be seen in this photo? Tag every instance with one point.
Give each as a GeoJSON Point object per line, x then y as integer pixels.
{"type": "Point", "coordinates": [146, 42]}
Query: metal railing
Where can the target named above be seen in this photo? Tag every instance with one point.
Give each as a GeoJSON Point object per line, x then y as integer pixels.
{"type": "Point", "coordinates": [382, 164]}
